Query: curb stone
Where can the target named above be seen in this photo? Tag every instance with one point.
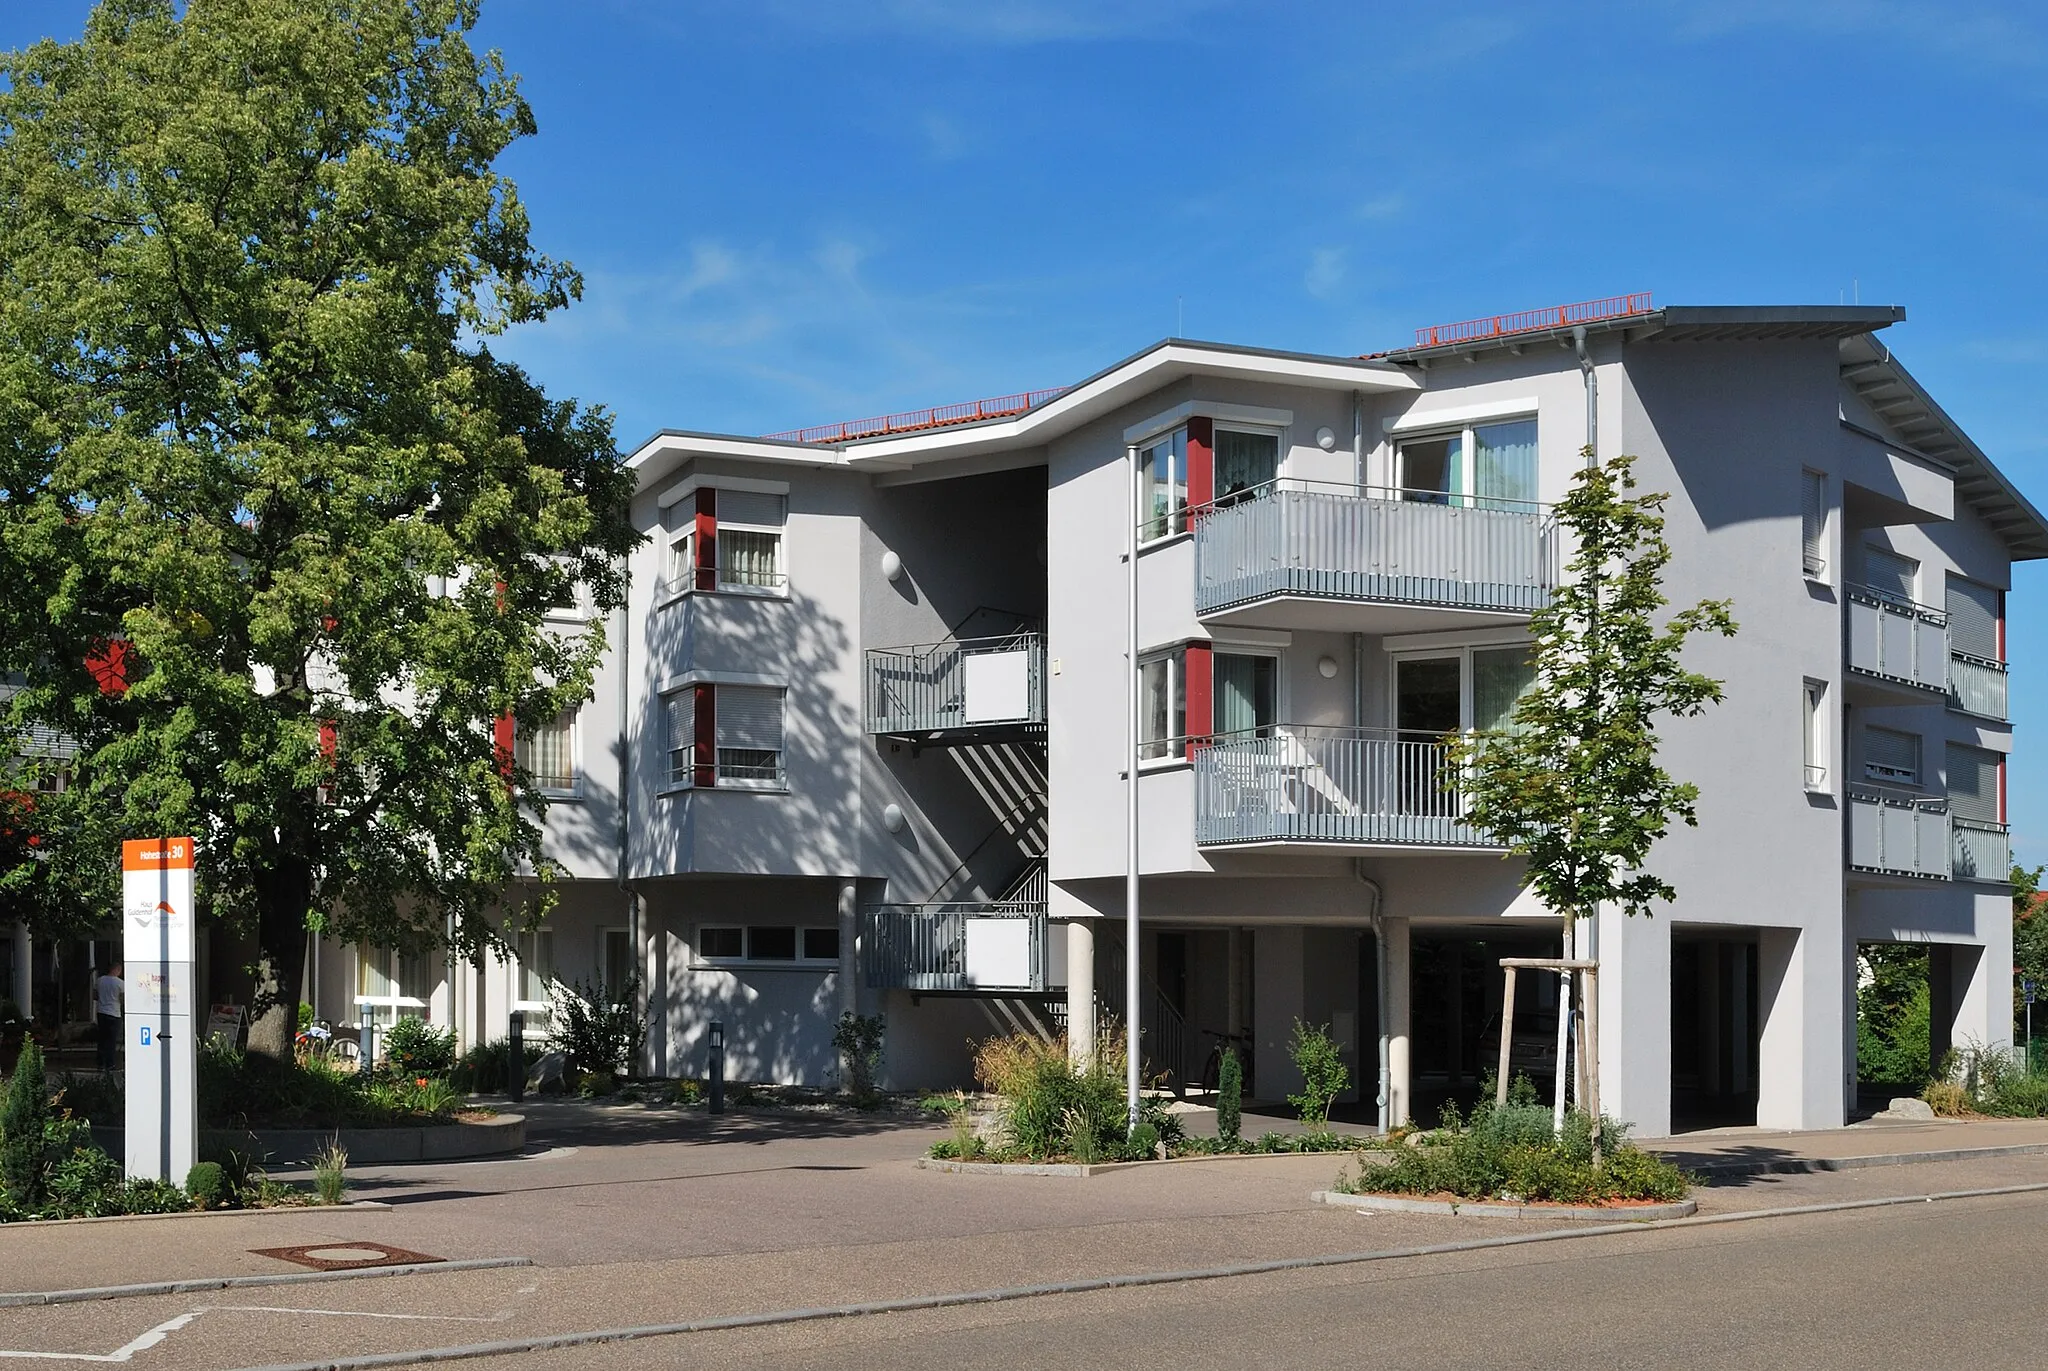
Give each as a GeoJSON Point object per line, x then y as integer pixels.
{"type": "Point", "coordinates": [264, 1211]}
{"type": "Point", "coordinates": [1403, 1204]}
{"type": "Point", "coordinates": [1081, 1169]}
{"type": "Point", "coordinates": [1792, 1166]}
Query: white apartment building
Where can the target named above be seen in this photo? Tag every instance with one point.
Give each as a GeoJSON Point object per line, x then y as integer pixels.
{"type": "Point", "coordinates": [861, 739]}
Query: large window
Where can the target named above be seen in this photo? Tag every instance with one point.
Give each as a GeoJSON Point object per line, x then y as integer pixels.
{"type": "Point", "coordinates": [1973, 789]}
{"type": "Point", "coordinates": [1246, 692]}
{"type": "Point", "coordinates": [1891, 757]}
{"type": "Point", "coordinates": [1163, 485]}
{"type": "Point", "coordinates": [1891, 575]}
{"type": "Point", "coordinates": [1459, 689]}
{"type": "Point", "coordinates": [535, 974]}
{"type": "Point", "coordinates": [1489, 466]}
{"type": "Point", "coordinates": [770, 945]}
{"type": "Point", "coordinates": [1162, 703]}
{"type": "Point", "coordinates": [1974, 612]}
{"type": "Point", "coordinates": [749, 540]}
{"type": "Point", "coordinates": [1245, 460]}
{"type": "Point", "coordinates": [548, 754]}
{"type": "Point", "coordinates": [391, 984]}
{"type": "Point", "coordinates": [749, 735]}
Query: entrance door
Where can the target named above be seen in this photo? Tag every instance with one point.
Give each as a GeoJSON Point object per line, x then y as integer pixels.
{"type": "Point", "coordinates": [1428, 703]}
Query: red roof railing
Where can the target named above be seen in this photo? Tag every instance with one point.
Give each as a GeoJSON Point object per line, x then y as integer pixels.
{"type": "Point", "coordinates": [1557, 316]}
{"type": "Point", "coordinates": [939, 416]}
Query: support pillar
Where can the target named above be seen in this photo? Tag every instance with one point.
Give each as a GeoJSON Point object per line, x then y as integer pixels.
{"type": "Point", "coordinates": [1394, 937]}
{"type": "Point", "coordinates": [1799, 1047]}
{"type": "Point", "coordinates": [849, 946]}
{"type": "Point", "coordinates": [24, 971]}
{"type": "Point", "coordinates": [1233, 1019]}
{"type": "Point", "coordinates": [654, 962]}
{"type": "Point", "coordinates": [1635, 1017]}
{"type": "Point", "coordinates": [1080, 991]}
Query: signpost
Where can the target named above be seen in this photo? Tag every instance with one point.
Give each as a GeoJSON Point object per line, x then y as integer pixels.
{"type": "Point", "coordinates": [2027, 993]}
{"type": "Point", "coordinates": [161, 1056]}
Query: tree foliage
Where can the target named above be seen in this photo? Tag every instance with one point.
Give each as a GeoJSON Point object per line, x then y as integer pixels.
{"type": "Point", "coordinates": [279, 535]}
{"type": "Point", "coordinates": [1573, 784]}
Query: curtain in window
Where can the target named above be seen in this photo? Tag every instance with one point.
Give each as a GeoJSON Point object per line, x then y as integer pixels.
{"type": "Point", "coordinates": [682, 734]}
{"type": "Point", "coordinates": [1504, 464]}
{"type": "Point", "coordinates": [682, 561]}
{"type": "Point", "coordinates": [1500, 677]}
{"type": "Point", "coordinates": [1245, 460]}
{"type": "Point", "coordinates": [536, 952]}
{"type": "Point", "coordinates": [373, 974]}
{"type": "Point", "coordinates": [1244, 698]}
{"type": "Point", "coordinates": [1973, 783]}
{"type": "Point", "coordinates": [1973, 618]}
{"type": "Point", "coordinates": [548, 753]}
{"type": "Point", "coordinates": [749, 733]}
{"type": "Point", "coordinates": [749, 557]}
{"type": "Point", "coordinates": [1162, 485]}
{"type": "Point", "coordinates": [1162, 714]}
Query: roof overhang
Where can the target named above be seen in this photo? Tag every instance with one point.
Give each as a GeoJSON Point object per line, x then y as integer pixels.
{"type": "Point", "coordinates": [1101, 394]}
{"type": "Point", "coordinates": [1925, 430]}
{"type": "Point", "coordinates": [1681, 323]}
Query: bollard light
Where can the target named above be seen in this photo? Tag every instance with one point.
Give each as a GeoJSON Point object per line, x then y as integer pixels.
{"type": "Point", "coordinates": [716, 1073]}
{"type": "Point", "coordinates": [515, 1057]}
{"type": "Point", "coordinates": [366, 1047]}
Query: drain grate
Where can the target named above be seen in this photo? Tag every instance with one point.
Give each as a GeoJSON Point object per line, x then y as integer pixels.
{"type": "Point", "coordinates": [345, 1256]}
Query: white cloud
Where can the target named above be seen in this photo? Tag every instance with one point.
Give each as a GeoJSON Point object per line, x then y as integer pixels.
{"type": "Point", "coordinates": [944, 138]}
{"type": "Point", "coordinates": [1391, 205]}
{"type": "Point", "coordinates": [1325, 272]}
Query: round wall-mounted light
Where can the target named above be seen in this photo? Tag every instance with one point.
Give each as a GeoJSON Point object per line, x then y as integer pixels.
{"type": "Point", "coordinates": [892, 818]}
{"type": "Point", "coordinates": [1326, 439]}
{"type": "Point", "coordinates": [892, 567]}
{"type": "Point", "coordinates": [1326, 667]}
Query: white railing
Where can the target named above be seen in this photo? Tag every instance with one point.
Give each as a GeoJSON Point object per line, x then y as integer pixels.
{"type": "Point", "coordinates": [1976, 685]}
{"type": "Point", "coordinates": [964, 945]}
{"type": "Point", "coordinates": [1982, 851]}
{"type": "Point", "coordinates": [962, 683]}
{"type": "Point", "coordinates": [1342, 542]}
{"type": "Point", "coordinates": [1899, 835]}
{"type": "Point", "coordinates": [1897, 640]}
{"type": "Point", "coordinates": [1320, 784]}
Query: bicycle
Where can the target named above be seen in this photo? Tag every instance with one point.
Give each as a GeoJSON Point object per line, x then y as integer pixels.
{"type": "Point", "coordinates": [1212, 1069]}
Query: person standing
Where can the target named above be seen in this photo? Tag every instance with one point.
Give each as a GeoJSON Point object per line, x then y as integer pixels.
{"type": "Point", "coordinates": [107, 992]}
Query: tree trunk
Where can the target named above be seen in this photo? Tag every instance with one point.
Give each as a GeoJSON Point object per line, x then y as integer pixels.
{"type": "Point", "coordinates": [284, 894]}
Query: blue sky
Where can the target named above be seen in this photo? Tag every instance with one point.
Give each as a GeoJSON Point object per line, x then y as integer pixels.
{"type": "Point", "coordinates": [795, 211]}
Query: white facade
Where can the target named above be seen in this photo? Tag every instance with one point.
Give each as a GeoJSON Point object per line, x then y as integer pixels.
{"type": "Point", "coordinates": [769, 867]}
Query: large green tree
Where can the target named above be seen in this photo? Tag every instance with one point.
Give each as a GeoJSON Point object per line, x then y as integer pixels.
{"type": "Point", "coordinates": [1573, 784]}
{"type": "Point", "coordinates": [279, 535]}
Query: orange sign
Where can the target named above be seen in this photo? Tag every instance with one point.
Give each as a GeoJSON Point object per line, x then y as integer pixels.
{"type": "Point", "coordinates": [156, 854]}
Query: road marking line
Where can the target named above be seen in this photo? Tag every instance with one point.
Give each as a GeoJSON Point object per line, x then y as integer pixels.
{"type": "Point", "coordinates": [729, 1322]}
{"type": "Point", "coordinates": [163, 1330]}
{"type": "Point", "coordinates": [141, 1344]}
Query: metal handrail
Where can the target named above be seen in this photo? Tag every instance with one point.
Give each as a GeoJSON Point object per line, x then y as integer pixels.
{"type": "Point", "coordinates": [1529, 320]}
{"type": "Point", "coordinates": [923, 688]}
{"type": "Point", "coordinates": [1885, 599]}
{"type": "Point", "coordinates": [1330, 783]}
{"type": "Point", "coordinates": [999, 407]}
{"type": "Point", "coordinates": [1417, 495]}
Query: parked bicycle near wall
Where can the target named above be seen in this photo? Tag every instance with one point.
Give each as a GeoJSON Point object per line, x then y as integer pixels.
{"type": "Point", "coordinates": [1212, 1068]}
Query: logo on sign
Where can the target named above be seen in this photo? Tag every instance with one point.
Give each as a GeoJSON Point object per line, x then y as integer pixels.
{"type": "Point", "coordinates": [145, 1035]}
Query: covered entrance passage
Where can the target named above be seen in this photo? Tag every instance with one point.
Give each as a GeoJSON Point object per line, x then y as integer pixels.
{"type": "Point", "coordinates": [1456, 987]}
{"type": "Point", "coordinates": [1713, 1029]}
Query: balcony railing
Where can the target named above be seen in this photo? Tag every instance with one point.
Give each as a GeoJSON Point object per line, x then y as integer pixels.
{"type": "Point", "coordinates": [1899, 835]}
{"type": "Point", "coordinates": [1897, 640]}
{"type": "Point", "coordinates": [1976, 685]}
{"type": "Point", "coordinates": [1340, 542]}
{"type": "Point", "coordinates": [1982, 851]}
{"type": "Point", "coordinates": [1318, 784]}
{"type": "Point", "coordinates": [991, 945]}
{"type": "Point", "coordinates": [958, 684]}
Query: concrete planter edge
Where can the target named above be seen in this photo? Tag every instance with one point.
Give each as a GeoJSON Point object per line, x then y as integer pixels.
{"type": "Point", "coordinates": [1480, 1209]}
{"type": "Point", "coordinates": [365, 1146]}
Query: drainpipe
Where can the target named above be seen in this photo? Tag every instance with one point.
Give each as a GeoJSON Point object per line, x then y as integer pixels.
{"type": "Point", "coordinates": [1358, 438]}
{"type": "Point", "coordinates": [1592, 395]}
{"type": "Point", "coordinates": [655, 1052]}
{"type": "Point", "coordinates": [1379, 942]}
{"type": "Point", "coordinates": [1132, 713]}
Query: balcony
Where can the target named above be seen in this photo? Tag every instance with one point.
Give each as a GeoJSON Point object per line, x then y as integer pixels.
{"type": "Point", "coordinates": [962, 688]}
{"type": "Point", "coordinates": [1976, 685]}
{"type": "Point", "coordinates": [1899, 835]}
{"type": "Point", "coordinates": [1897, 650]}
{"type": "Point", "coordinates": [1981, 851]}
{"type": "Point", "coordinates": [1307, 554]}
{"type": "Point", "coordinates": [963, 945]}
{"type": "Point", "coordinates": [1312, 784]}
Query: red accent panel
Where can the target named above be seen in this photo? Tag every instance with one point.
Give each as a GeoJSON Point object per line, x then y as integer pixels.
{"type": "Point", "coordinates": [706, 742]}
{"type": "Point", "coordinates": [1200, 682]}
{"type": "Point", "coordinates": [707, 543]}
{"type": "Point", "coordinates": [501, 744]}
{"type": "Point", "coordinates": [1201, 462]}
{"type": "Point", "coordinates": [109, 664]}
{"type": "Point", "coordinates": [330, 742]}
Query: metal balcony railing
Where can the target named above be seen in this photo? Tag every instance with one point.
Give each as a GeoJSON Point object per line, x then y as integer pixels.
{"type": "Point", "coordinates": [987, 945]}
{"type": "Point", "coordinates": [1981, 851]}
{"type": "Point", "coordinates": [1896, 639]}
{"type": "Point", "coordinates": [1976, 685]}
{"type": "Point", "coordinates": [1899, 835]}
{"type": "Point", "coordinates": [958, 684]}
{"type": "Point", "coordinates": [1341, 542]}
{"type": "Point", "coordinates": [1309, 783]}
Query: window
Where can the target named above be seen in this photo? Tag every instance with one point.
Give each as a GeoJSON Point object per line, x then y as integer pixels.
{"type": "Point", "coordinates": [1815, 723]}
{"type": "Point", "coordinates": [1891, 757]}
{"type": "Point", "coordinates": [535, 950]}
{"type": "Point", "coordinates": [1487, 466]}
{"type": "Point", "coordinates": [1890, 575]}
{"type": "Point", "coordinates": [682, 560]}
{"type": "Point", "coordinates": [1974, 613]}
{"type": "Point", "coordinates": [1245, 461]}
{"type": "Point", "coordinates": [1973, 783]}
{"type": "Point", "coordinates": [1162, 704]}
{"type": "Point", "coordinates": [749, 735]}
{"type": "Point", "coordinates": [769, 944]}
{"type": "Point", "coordinates": [548, 754]}
{"type": "Point", "coordinates": [574, 602]}
{"type": "Point", "coordinates": [749, 540]}
{"type": "Point", "coordinates": [1459, 689]}
{"type": "Point", "coordinates": [1501, 676]}
{"type": "Point", "coordinates": [681, 709]}
{"type": "Point", "coordinates": [53, 780]}
{"type": "Point", "coordinates": [391, 984]}
{"type": "Point", "coordinates": [1163, 486]}
{"type": "Point", "coordinates": [1813, 522]}
{"type": "Point", "coordinates": [615, 956]}
{"type": "Point", "coordinates": [1246, 696]}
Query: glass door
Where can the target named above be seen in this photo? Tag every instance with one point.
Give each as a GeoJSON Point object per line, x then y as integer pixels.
{"type": "Point", "coordinates": [1428, 703]}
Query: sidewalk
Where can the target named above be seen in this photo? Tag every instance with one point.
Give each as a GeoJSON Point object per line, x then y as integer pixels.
{"type": "Point", "coordinates": [1755, 1151]}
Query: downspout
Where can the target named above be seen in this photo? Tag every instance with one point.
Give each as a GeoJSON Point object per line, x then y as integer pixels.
{"type": "Point", "coordinates": [1358, 439]}
{"type": "Point", "coordinates": [1379, 941]}
{"type": "Point", "coordinates": [654, 1054]}
{"type": "Point", "coordinates": [1132, 713]}
{"type": "Point", "coordinates": [1592, 395]}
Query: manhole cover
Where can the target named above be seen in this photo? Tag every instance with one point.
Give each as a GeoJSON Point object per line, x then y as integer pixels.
{"type": "Point", "coordinates": [344, 1256]}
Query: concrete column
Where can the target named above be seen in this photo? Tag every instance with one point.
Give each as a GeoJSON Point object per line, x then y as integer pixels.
{"type": "Point", "coordinates": [1964, 1013]}
{"type": "Point", "coordinates": [1394, 936]}
{"type": "Point", "coordinates": [1799, 1050]}
{"type": "Point", "coordinates": [849, 946]}
{"type": "Point", "coordinates": [24, 971]}
{"type": "Point", "coordinates": [1635, 1019]}
{"type": "Point", "coordinates": [654, 963]}
{"type": "Point", "coordinates": [1080, 990]}
{"type": "Point", "coordinates": [1278, 999]}
{"type": "Point", "coordinates": [1233, 990]}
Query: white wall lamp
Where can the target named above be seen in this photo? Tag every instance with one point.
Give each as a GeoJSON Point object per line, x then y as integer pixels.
{"type": "Point", "coordinates": [892, 818]}
{"type": "Point", "coordinates": [892, 568]}
{"type": "Point", "coordinates": [1326, 667]}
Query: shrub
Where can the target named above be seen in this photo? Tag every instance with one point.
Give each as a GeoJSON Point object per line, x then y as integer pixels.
{"type": "Point", "coordinates": [206, 1183]}
{"type": "Point", "coordinates": [485, 1069]}
{"type": "Point", "coordinates": [148, 1195]}
{"type": "Point", "coordinates": [598, 1030]}
{"type": "Point", "coordinates": [1047, 1106]}
{"type": "Point", "coordinates": [1987, 1080]}
{"type": "Point", "coordinates": [305, 1016]}
{"type": "Point", "coordinates": [1143, 1143]}
{"type": "Point", "coordinates": [1511, 1154]}
{"type": "Point", "coordinates": [685, 1092]}
{"type": "Point", "coordinates": [1319, 1059]}
{"type": "Point", "coordinates": [1946, 1098]}
{"type": "Point", "coordinates": [24, 1118]}
{"type": "Point", "coordinates": [84, 1183]}
{"type": "Point", "coordinates": [416, 1048]}
{"type": "Point", "coordinates": [92, 1096]}
{"type": "Point", "coordinates": [1230, 1098]}
{"type": "Point", "coordinates": [330, 1172]}
{"type": "Point", "coordinates": [858, 1040]}
{"type": "Point", "coordinates": [594, 1084]}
